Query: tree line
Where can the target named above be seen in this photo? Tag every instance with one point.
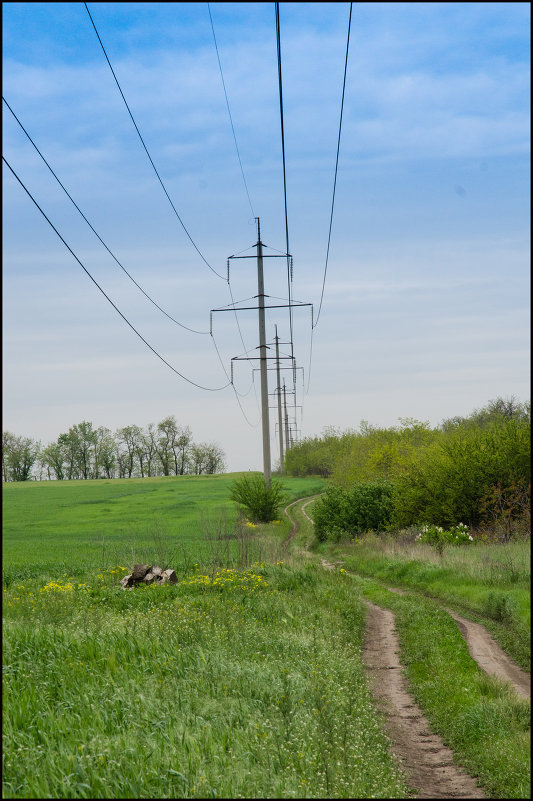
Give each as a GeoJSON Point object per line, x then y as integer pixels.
{"type": "Point", "coordinates": [86, 452]}
{"type": "Point", "coordinates": [474, 469]}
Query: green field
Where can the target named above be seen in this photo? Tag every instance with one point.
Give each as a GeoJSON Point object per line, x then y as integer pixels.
{"type": "Point", "coordinates": [245, 678]}
{"type": "Point", "coordinates": [71, 526]}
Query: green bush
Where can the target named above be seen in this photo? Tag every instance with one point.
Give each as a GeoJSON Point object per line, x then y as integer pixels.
{"type": "Point", "coordinates": [364, 507]}
{"type": "Point", "coordinates": [440, 537]}
{"type": "Point", "coordinates": [451, 480]}
{"type": "Point", "coordinates": [260, 504]}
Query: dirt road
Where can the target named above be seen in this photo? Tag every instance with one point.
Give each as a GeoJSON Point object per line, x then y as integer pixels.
{"type": "Point", "coordinates": [427, 762]}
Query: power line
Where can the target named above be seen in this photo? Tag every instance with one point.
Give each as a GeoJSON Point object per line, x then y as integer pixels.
{"type": "Point", "coordinates": [159, 177]}
{"type": "Point", "coordinates": [289, 260]}
{"type": "Point", "coordinates": [336, 165]}
{"type": "Point", "coordinates": [193, 330]}
{"type": "Point", "coordinates": [252, 425]}
{"type": "Point", "coordinates": [208, 389]}
{"type": "Point", "coordinates": [229, 111]}
{"type": "Point", "coordinates": [280, 85]}
{"type": "Point", "coordinates": [241, 394]}
{"type": "Point", "coordinates": [146, 150]}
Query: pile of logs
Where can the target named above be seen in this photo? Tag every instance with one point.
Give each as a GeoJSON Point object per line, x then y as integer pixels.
{"type": "Point", "coordinates": [148, 574]}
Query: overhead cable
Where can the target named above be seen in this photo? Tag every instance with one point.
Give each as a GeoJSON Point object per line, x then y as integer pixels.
{"type": "Point", "coordinates": [336, 165]}
{"type": "Point", "coordinates": [182, 325]}
{"type": "Point", "coordinates": [280, 85]}
{"type": "Point", "coordinates": [241, 394]}
{"type": "Point", "coordinates": [289, 260]}
{"type": "Point", "coordinates": [200, 386]}
{"type": "Point", "coordinates": [229, 111]}
{"type": "Point", "coordinates": [147, 153]}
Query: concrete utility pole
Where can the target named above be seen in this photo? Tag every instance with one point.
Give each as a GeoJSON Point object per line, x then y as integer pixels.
{"type": "Point", "coordinates": [280, 426]}
{"type": "Point", "coordinates": [263, 359]}
{"type": "Point", "coordinates": [287, 441]}
{"type": "Point", "coordinates": [263, 347]}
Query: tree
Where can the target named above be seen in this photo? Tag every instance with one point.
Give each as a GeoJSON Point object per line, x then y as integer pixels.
{"type": "Point", "coordinates": [131, 438]}
{"type": "Point", "coordinates": [167, 431]}
{"type": "Point", "coordinates": [198, 459]}
{"type": "Point", "coordinates": [180, 447]}
{"type": "Point", "coordinates": [215, 461]}
{"type": "Point", "coordinates": [81, 441]}
{"type": "Point", "coordinates": [173, 444]}
{"type": "Point", "coordinates": [149, 447]}
{"type": "Point", "coordinates": [53, 457]}
{"type": "Point", "coordinates": [104, 453]}
{"type": "Point", "coordinates": [19, 454]}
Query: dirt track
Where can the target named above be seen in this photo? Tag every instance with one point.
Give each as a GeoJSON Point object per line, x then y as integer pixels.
{"type": "Point", "coordinates": [490, 656]}
{"type": "Point", "coordinates": [427, 762]}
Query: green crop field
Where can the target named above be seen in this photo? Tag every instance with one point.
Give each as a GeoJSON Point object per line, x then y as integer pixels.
{"type": "Point", "coordinates": [242, 680]}
{"type": "Point", "coordinates": [70, 526]}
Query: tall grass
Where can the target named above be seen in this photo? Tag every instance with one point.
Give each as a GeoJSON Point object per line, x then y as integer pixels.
{"type": "Point", "coordinates": [246, 683]}
{"type": "Point", "coordinates": [56, 527]}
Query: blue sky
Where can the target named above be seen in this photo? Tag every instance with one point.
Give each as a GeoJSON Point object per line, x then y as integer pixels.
{"type": "Point", "coordinates": [426, 304]}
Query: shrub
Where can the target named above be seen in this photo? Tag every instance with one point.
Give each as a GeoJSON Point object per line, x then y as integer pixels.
{"type": "Point", "coordinates": [259, 503]}
{"type": "Point", "coordinates": [440, 537]}
{"type": "Point", "coordinates": [364, 507]}
{"type": "Point", "coordinates": [499, 606]}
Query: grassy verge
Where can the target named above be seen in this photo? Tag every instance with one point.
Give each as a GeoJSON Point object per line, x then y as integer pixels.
{"type": "Point", "coordinates": [485, 724]}
{"type": "Point", "coordinates": [239, 683]}
{"type": "Point", "coordinates": [489, 583]}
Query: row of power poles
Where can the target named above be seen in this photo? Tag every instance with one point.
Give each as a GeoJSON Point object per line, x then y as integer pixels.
{"type": "Point", "coordinates": [284, 429]}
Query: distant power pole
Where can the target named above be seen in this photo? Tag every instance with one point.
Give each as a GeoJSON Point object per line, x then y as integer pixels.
{"type": "Point", "coordinates": [263, 348]}
{"type": "Point", "coordinates": [263, 359]}
{"type": "Point", "coordinates": [280, 426]}
{"type": "Point", "coordinates": [287, 441]}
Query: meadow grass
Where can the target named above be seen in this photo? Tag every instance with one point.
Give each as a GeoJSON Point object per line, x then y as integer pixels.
{"type": "Point", "coordinates": [56, 527]}
{"type": "Point", "coordinates": [489, 581]}
{"type": "Point", "coordinates": [484, 722]}
{"type": "Point", "coordinates": [243, 683]}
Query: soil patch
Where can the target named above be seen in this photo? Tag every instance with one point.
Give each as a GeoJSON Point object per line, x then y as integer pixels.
{"type": "Point", "coordinates": [426, 761]}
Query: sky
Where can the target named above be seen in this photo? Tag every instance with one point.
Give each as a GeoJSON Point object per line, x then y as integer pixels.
{"type": "Point", "coordinates": [425, 310]}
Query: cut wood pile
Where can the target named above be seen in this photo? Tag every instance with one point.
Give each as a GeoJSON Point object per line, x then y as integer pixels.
{"type": "Point", "coordinates": [148, 574]}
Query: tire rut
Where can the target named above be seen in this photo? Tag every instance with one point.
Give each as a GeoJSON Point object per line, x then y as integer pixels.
{"type": "Point", "coordinates": [294, 529]}
{"type": "Point", "coordinates": [426, 761]}
{"type": "Point", "coordinates": [487, 653]}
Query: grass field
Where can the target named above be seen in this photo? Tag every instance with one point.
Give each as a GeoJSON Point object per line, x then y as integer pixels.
{"type": "Point", "coordinates": [57, 527]}
{"type": "Point", "coordinates": [236, 682]}
{"type": "Point", "coordinates": [245, 678]}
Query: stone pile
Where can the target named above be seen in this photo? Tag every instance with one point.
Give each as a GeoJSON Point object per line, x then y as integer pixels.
{"type": "Point", "coordinates": [148, 574]}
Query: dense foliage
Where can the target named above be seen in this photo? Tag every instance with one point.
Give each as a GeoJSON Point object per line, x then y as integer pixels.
{"type": "Point", "coordinates": [87, 452]}
{"type": "Point", "coordinates": [259, 502]}
{"type": "Point", "coordinates": [365, 507]}
{"type": "Point", "coordinates": [473, 470]}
